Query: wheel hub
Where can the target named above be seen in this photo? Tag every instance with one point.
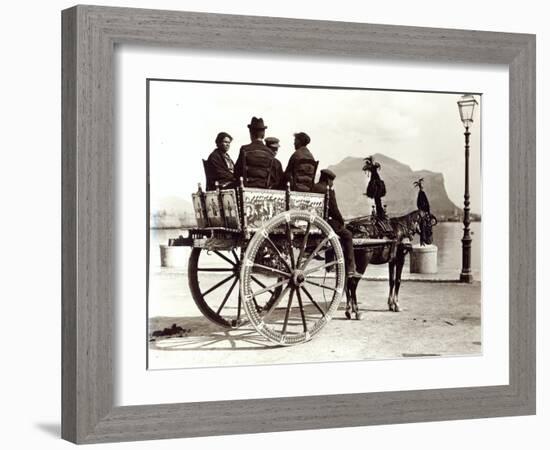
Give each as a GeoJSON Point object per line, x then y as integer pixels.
{"type": "Point", "coordinates": [298, 277]}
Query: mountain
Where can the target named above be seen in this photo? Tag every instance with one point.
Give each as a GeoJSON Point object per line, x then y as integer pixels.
{"type": "Point", "coordinates": [350, 186]}
{"type": "Point", "coordinates": [172, 212]}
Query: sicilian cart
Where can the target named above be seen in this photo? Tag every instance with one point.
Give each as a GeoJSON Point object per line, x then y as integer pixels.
{"type": "Point", "coordinates": [260, 256]}
{"type": "Point", "coordinates": [269, 257]}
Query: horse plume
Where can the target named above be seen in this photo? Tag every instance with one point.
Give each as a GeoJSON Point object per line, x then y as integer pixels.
{"type": "Point", "coordinates": [422, 202]}
{"type": "Point", "coordinates": [376, 188]}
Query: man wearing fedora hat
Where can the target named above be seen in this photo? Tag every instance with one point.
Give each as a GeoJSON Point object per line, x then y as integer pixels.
{"type": "Point", "coordinates": [256, 161]}
{"type": "Point", "coordinates": [336, 221]}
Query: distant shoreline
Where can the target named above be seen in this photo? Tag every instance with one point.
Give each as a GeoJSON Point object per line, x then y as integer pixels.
{"type": "Point", "coordinates": [188, 227]}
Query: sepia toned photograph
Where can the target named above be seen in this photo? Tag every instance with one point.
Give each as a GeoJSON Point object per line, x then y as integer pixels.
{"type": "Point", "coordinates": [300, 224]}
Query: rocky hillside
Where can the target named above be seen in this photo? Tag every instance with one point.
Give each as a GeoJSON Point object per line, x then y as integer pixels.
{"type": "Point", "coordinates": [350, 185]}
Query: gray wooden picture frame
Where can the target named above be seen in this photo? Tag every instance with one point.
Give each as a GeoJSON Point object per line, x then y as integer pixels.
{"type": "Point", "coordinates": [90, 34]}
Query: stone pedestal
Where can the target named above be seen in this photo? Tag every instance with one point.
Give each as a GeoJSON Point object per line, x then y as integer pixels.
{"type": "Point", "coordinates": [423, 259]}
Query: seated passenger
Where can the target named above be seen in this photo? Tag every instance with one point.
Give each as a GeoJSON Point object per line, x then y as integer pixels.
{"type": "Point", "coordinates": [336, 221]}
{"type": "Point", "coordinates": [300, 171]}
{"type": "Point", "coordinates": [219, 165]}
{"type": "Point", "coordinates": [255, 160]}
{"type": "Point", "coordinates": [277, 174]}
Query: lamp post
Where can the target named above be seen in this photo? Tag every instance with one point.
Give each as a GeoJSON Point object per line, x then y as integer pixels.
{"type": "Point", "coordinates": [466, 107]}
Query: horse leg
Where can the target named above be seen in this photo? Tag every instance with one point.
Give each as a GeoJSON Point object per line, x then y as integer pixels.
{"type": "Point", "coordinates": [349, 301]}
{"type": "Point", "coordinates": [361, 263]}
{"type": "Point", "coordinates": [391, 301]}
{"type": "Point", "coordinates": [358, 314]}
{"type": "Point", "coordinates": [399, 269]}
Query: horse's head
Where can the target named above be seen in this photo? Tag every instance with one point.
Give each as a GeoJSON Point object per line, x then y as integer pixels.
{"type": "Point", "coordinates": [422, 225]}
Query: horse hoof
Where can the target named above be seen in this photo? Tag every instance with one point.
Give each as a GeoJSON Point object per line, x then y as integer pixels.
{"type": "Point", "coordinates": [348, 315]}
{"type": "Point", "coordinates": [359, 316]}
{"type": "Point", "coordinates": [390, 306]}
{"type": "Point", "coordinates": [396, 308]}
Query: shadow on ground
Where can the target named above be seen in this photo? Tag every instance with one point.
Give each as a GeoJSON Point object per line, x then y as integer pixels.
{"type": "Point", "coordinates": [201, 334]}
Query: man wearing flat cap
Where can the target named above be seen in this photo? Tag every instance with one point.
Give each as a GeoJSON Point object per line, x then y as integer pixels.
{"type": "Point", "coordinates": [300, 171]}
{"type": "Point", "coordinates": [273, 144]}
{"type": "Point", "coordinates": [336, 221]}
{"type": "Point", "coordinates": [256, 161]}
{"type": "Point", "coordinates": [277, 169]}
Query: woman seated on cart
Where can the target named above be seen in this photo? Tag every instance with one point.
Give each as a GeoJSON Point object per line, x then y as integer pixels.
{"type": "Point", "coordinates": [219, 167]}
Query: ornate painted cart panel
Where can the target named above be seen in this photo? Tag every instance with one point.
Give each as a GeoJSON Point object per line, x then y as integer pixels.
{"type": "Point", "coordinates": [221, 209]}
{"type": "Point", "coordinates": [260, 205]}
{"type": "Point", "coordinates": [308, 201]}
{"type": "Point", "coordinates": [200, 211]}
{"type": "Point", "coordinates": [213, 209]}
{"type": "Point", "coordinates": [230, 209]}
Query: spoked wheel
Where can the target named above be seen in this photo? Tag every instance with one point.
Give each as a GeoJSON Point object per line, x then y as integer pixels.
{"type": "Point", "coordinates": [214, 283]}
{"type": "Point", "coordinates": [309, 294]}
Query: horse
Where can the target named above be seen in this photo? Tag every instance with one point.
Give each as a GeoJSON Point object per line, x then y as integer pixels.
{"type": "Point", "coordinates": [392, 252]}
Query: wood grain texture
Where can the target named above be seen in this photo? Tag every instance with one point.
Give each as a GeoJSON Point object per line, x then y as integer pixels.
{"type": "Point", "coordinates": [68, 227]}
{"type": "Point", "coordinates": [522, 283]}
{"type": "Point", "coordinates": [89, 208]}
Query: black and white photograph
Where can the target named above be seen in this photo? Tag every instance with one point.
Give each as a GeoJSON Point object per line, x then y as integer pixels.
{"type": "Point", "coordinates": [299, 224]}
{"type": "Point", "coordinates": [275, 225]}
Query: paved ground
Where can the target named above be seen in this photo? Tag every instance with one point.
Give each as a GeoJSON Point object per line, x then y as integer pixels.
{"type": "Point", "coordinates": [437, 319]}
{"type": "Point", "coordinates": [373, 273]}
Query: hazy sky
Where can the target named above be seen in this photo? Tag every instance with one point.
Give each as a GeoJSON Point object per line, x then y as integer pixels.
{"type": "Point", "coordinates": [422, 130]}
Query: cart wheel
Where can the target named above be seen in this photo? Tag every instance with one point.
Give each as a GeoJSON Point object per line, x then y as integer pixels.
{"type": "Point", "coordinates": [309, 294]}
{"type": "Point", "coordinates": [213, 280]}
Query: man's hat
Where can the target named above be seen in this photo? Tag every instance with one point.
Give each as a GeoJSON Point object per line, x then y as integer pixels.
{"type": "Point", "coordinates": [257, 124]}
{"type": "Point", "coordinates": [328, 173]}
{"type": "Point", "coordinates": [272, 142]}
{"type": "Point", "coordinates": [303, 137]}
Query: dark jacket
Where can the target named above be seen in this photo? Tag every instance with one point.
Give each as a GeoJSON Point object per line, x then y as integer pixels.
{"type": "Point", "coordinates": [300, 171]}
{"type": "Point", "coordinates": [258, 166]}
{"type": "Point", "coordinates": [220, 168]}
{"type": "Point", "coordinates": [277, 175]}
{"type": "Point", "coordinates": [335, 219]}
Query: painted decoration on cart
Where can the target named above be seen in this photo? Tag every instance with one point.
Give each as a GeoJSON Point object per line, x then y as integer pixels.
{"type": "Point", "coordinates": [308, 201]}
{"type": "Point", "coordinates": [261, 205]}
{"type": "Point", "coordinates": [230, 209]}
{"type": "Point", "coordinates": [199, 212]}
{"type": "Point", "coordinates": [213, 210]}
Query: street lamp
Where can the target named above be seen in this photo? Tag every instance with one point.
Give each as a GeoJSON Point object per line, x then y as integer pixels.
{"type": "Point", "coordinates": [466, 107]}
